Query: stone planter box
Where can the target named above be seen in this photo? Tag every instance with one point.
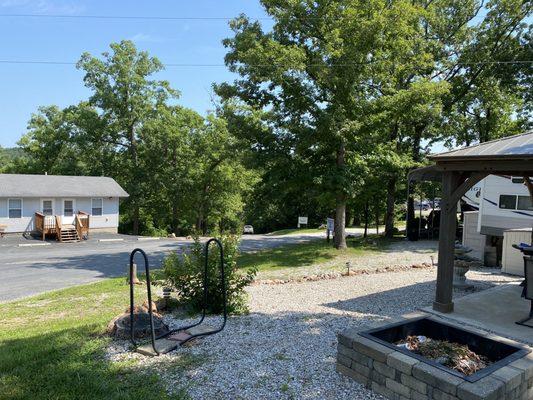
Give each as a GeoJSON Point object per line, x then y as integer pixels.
{"type": "Point", "coordinates": [399, 376]}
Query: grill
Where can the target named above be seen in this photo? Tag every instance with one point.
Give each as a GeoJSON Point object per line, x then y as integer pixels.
{"type": "Point", "coordinates": [528, 290]}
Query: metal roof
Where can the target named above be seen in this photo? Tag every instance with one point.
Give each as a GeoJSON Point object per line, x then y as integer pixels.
{"type": "Point", "coordinates": [511, 147]}
{"type": "Point", "coordinates": [15, 185]}
{"type": "Point", "coordinates": [429, 173]}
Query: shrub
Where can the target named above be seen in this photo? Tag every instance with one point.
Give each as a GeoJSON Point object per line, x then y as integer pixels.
{"type": "Point", "coordinates": [185, 274]}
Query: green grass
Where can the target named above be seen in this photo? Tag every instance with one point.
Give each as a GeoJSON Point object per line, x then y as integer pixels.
{"type": "Point", "coordinates": [311, 253]}
{"type": "Point", "coordinates": [52, 347]}
{"type": "Point", "coordinates": [295, 231]}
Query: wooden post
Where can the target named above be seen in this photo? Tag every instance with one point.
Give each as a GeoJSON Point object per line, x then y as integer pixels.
{"type": "Point", "coordinates": [448, 220]}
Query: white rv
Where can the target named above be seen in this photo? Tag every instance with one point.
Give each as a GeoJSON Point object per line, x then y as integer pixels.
{"type": "Point", "coordinates": [503, 203]}
{"type": "Point", "coordinates": [504, 217]}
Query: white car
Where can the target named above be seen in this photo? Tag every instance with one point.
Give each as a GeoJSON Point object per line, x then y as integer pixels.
{"type": "Point", "coordinates": [248, 229]}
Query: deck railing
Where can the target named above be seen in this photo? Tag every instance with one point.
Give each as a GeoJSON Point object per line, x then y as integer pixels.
{"type": "Point", "coordinates": [52, 224]}
{"type": "Point", "coordinates": [58, 227]}
{"type": "Point", "coordinates": [45, 224]}
{"type": "Point", "coordinates": [81, 222]}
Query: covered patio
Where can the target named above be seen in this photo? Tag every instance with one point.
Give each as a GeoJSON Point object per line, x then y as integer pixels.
{"type": "Point", "coordinates": [494, 310]}
{"type": "Point", "coordinates": [458, 171]}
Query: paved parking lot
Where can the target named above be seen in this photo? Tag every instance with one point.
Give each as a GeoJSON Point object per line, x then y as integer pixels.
{"type": "Point", "coordinates": [28, 270]}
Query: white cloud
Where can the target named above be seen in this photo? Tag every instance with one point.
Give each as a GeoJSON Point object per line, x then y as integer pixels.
{"type": "Point", "coordinates": [146, 38]}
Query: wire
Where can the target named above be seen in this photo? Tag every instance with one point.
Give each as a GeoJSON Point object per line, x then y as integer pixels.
{"type": "Point", "coordinates": [159, 18]}
{"type": "Point", "coordinates": [127, 17]}
{"type": "Point", "coordinates": [45, 62]}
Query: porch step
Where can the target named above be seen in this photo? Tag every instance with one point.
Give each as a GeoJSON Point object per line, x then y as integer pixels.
{"type": "Point", "coordinates": [69, 234]}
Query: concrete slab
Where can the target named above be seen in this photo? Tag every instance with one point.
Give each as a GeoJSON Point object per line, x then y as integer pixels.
{"type": "Point", "coordinates": [494, 310]}
{"type": "Point", "coordinates": [200, 329]}
{"type": "Point", "coordinates": [162, 345]}
{"type": "Point", "coordinates": [179, 336]}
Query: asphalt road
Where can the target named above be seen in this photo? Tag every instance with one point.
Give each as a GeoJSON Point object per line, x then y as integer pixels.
{"type": "Point", "coordinates": [27, 271]}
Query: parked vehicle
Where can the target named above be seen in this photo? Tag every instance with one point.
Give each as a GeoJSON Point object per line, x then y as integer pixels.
{"type": "Point", "coordinates": [248, 229]}
{"type": "Point", "coordinates": [503, 203]}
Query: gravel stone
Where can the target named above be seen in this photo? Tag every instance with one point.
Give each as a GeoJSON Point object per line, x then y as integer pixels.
{"type": "Point", "coordinates": [286, 347]}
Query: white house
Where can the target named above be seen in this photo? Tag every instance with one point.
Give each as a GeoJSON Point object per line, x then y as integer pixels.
{"type": "Point", "coordinates": [34, 203]}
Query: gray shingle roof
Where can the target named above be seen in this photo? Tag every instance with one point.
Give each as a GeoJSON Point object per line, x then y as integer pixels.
{"type": "Point", "coordinates": [511, 147]}
{"type": "Point", "coordinates": [14, 185]}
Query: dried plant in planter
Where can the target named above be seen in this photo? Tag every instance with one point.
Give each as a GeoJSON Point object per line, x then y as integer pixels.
{"type": "Point", "coordinates": [452, 355]}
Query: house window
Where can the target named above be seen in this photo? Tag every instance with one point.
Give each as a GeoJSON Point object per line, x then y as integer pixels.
{"type": "Point", "coordinates": [48, 207]}
{"type": "Point", "coordinates": [15, 208]}
{"type": "Point", "coordinates": [524, 203]}
{"type": "Point", "coordinates": [68, 208]}
{"type": "Point", "coordinates": [97, 207]}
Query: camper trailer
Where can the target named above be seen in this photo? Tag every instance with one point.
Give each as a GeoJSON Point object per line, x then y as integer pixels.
{"type": "Point", "coordinates": [503, 215]}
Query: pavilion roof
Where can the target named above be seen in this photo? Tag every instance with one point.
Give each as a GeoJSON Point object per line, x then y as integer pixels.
{"type": "Point", "coordinates": [507, 155]}
{"type": "Point", "coordinates": [510, 147]}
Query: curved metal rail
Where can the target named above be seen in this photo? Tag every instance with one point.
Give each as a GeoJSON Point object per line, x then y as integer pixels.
{"type": "Point", "coordinates": [223, 288]}
{"type": "Point", "coordinates": [132, 300]}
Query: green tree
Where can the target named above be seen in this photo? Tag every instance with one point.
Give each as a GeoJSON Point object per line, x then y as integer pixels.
{"type": "Point", "coordinates": [126, 99]}
{"type": "Point", "coordinates": [391, 72]}
{"type": "Point", "coordinates": [48, 143]}
{"type": "Point", "coordinates": [299, 72]}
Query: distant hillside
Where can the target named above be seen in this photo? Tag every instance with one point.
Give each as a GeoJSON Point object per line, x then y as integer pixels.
{"type": "Point", "coordinates": [11, 153]}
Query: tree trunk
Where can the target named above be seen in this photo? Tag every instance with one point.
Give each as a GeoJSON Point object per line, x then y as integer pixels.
{"type": "Point", "coordinates": [377, 217]}
{"type": "Point", "coordinates": [175, 219]}
{"type": "Point", "coordinates": [340, 221]}
{"type": "Point", "coordinates": [391, 190]}
{"type": "Point", "coordinates": [135, 218]}
{"type": "Point", "coordinates": [348, 217]}
{"type": "Point", "coordinates": [135, 192]}
{"type": "Point", "coordinates": [389, 215]}
{"type": "Point", "coordinates": [340, 208]}
{"type": "Point", "coordinates": [365, 234]}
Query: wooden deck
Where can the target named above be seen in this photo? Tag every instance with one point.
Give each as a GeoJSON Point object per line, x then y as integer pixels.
{"type": "Point", "coordinates": [52, 225]}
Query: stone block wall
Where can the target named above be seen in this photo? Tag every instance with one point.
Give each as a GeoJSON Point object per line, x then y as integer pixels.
{"type": "Point", "coordinates": [398, 376]}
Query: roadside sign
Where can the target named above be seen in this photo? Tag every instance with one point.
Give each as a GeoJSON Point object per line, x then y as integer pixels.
{"type": "Point", "coordinates": [302, 221]}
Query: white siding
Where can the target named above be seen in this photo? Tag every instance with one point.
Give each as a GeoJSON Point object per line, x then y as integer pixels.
{"type": "Point", "coordinates": [24, 224]}
{"type": "Point", "coordinates": [513, 259]}
{"type": "Point", "coordinates": [30, 206]}
{"type": "Point", "coordinates": [471, 237]}
{"type": "Point", "coordinates": [109, 219]}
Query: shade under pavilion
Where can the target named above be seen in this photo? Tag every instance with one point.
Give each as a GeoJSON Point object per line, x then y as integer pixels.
{"type": "Point", "coordinates": [458, 171]}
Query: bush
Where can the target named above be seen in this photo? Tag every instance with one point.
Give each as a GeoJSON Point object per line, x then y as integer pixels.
{"type": "Point", "coordinates": [185, 274]}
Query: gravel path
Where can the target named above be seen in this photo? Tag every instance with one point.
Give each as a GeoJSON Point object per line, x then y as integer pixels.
{"type": "Point", "coordinates": [286, 347]}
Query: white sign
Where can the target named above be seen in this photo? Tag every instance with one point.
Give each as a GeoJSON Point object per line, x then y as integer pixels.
{"type": "Point", "coordinates": [331, 224]}
{"type": "Point", "coordinates": [302, 221]}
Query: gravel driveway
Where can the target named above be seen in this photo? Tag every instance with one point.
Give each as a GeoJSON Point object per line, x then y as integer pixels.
{"type": "Point", "coordinates": [286, 347]}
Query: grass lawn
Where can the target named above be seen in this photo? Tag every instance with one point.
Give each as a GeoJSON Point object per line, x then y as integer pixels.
{"type": "Point", "coordinates": [52, 347]}
{"type": "Point", "coordinates": [311, 253]}
{"type": "Point", "coordinates": [293, 231]}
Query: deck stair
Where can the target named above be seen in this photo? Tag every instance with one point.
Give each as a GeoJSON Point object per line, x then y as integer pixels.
{"type": "Point", "coordinates": [69, 234]}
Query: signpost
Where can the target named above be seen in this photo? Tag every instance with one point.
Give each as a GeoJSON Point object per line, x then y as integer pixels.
{"type": "Point", "coordinates": [302, 221]}
{"type": "Point", "coordinates": [330, 227]}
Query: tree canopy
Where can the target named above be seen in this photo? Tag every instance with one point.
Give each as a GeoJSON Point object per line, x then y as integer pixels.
{"type": "Point", "coordinates": [332, 104]}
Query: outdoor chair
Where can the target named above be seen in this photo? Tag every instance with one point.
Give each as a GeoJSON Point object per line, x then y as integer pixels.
{"type": "Point", "coordinates": [527, 292]}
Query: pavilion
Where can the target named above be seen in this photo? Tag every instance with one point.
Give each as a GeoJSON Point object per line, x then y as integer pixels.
{"type": "Point", "coordinates": [459, 170]}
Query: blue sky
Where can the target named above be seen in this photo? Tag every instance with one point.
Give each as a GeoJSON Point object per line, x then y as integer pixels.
{"type": "Point", "coordinates": [23, 88]}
